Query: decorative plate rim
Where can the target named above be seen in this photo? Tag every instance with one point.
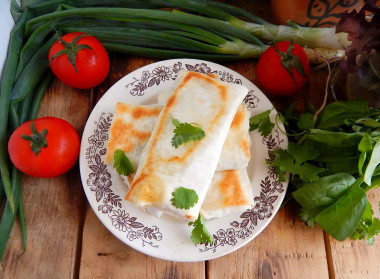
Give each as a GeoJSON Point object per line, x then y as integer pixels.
{"type": "Point", "coordinates": [151, 235]}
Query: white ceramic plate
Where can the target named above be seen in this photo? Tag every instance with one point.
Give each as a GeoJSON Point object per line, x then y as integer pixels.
{"type": "Point", "coordinates": [166, 237]}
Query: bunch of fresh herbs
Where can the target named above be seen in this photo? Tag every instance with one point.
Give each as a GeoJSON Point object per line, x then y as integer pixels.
{"type": "Point", "coordinates": [334, 160]}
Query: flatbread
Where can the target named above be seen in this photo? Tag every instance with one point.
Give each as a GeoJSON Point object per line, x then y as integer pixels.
{"type": "Point", "coordinates": [199, 99]}
{"type": "Point", "coordinates": [230, 191]}
{"type": "Point", "coordinates": [132, 126]}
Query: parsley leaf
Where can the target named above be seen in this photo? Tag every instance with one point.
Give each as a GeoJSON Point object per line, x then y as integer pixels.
{"type": "Point", "coordinates": [261, 121]}
{"type": "Point", "coordinates": [121, 163]}
{"type": "Point", "coordinates": [200, 234]}
{"type": "Point", "coordinates": [306, 216]}
{"type": "Point", "coordinates": [306, 121]}
{"type": "Point", "coordinates": [184, 198]}
{"type": "Point", "coordinates": [185, 132]}
{"type": "Point", "coordinates": [368, 227]}
{"type": "Point", "coordinates": [295, 159]}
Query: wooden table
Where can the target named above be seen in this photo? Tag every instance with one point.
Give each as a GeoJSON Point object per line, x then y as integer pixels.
{"type": "Point", "coordinates": [66, 239]}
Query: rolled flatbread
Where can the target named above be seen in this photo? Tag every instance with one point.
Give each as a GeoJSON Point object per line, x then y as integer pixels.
{"type": "Point", "coordinates": [199, 99]}
{"type": "Point", "coordinates": [132, 126]}
{"type": "Point", "coordinates": [230, 191]}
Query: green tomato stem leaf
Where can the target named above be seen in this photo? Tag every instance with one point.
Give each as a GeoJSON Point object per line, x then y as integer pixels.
{"type": "Point", "coordinates": [37, 140]}
{"type": "Point", "coordinates": [71, 50]}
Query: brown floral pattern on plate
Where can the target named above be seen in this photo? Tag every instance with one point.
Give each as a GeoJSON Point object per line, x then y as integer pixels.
{"type": "Point", "coordinates": [100, 182]}
{"type": "Point", "coordinates": [162, 74]}
{"type": "Point", "coordinates": [263, 204]}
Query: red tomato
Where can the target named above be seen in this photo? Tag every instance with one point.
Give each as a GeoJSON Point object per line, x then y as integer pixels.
{"type": "Point", "coordinates": [91, 63]}
{"type": "Point", "coordinates": [272, 75]}
{"type": "Point", "coordinates": [56, 158]}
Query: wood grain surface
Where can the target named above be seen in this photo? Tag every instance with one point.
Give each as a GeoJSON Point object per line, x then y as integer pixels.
{"type": "Point", "coordinates": [66, 239]}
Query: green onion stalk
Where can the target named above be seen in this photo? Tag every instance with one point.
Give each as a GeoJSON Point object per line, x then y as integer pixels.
{"type": "Point", "coordinates": [188, 28]}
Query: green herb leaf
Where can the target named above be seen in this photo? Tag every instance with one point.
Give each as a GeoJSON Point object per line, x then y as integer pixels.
{"type": "Point", "coordinates": [295, 159]}
{"type": "Point", "coordinates": [185, 132]}
{"type": "Point", "coordinates": [200, 234]}
{"type": "Point", "coordinates": [306, 121]}
{"type": "Point", "coordinates": [368, 122]}
{"type": "Point", "coordinates": [184, 198]}
{"type": "Point", "coordinates": [121, 163]}
{"type": "Point", "coordinates": [374, 161]}
{"type": "Point", "coordinates": [337, 113]}
{"type": "Point", "coordinates": [306, 216]}
{"type": "Point", "coordinates": [318, 195]}
{"type": "Point", "coordinates": [365, 146]}
{"type": "Point", "coordinates": [342, 217]}
{"type": "Point", "coordinates": [261, 121]}
{"type": "Point", "coordinates": [335, 139]}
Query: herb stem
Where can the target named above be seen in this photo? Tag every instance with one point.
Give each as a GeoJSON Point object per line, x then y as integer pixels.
{"type": "Point", "coordinates": [326, 91]}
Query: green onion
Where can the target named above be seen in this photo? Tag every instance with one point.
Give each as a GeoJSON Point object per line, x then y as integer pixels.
{"type": "Point", "coordinates": [141, 37]}
{"type": "Point", "coordinates": [150, 24]}
{"type": "Point", "coordinates": [32, 73]}
{"type": "Point", "coordinates": [167, 54]}
{"type": "Point", "coordinates": [14, 118]}
{"type": "Point", "coordinates": [38, 95]}
{"type": "Point", "coordinates": [15, 45]}
{"type": "Point", "coordinates": [168, 40]}
{"type": "Point", "coordinates": [9, 215]}
{"type": "Point", "coordinates": [34, 43]}
{"type": "Point", "coordinates": [21, 216]}
{"type": "Point", "coordinates": [2, 193]}
{"type": "Point", "coordinates": [236, 11]}
{"type": "Point", "coordinates": [123, 14]}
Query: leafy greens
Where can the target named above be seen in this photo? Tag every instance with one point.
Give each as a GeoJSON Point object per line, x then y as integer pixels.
{"type": "Point", "coordinates": [200, 234]}
{"type": "Point", "coordinates": [334, 161]}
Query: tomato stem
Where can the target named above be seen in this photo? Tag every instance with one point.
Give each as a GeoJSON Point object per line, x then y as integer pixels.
{"type": "Point", "coordinates": [71, 50]}
{"type": "Point", "coordinates": [37, 140]}
{"type": "Point", "coordinates": [289, 60]}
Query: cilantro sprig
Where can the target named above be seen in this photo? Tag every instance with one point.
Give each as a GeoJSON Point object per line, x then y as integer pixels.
{"type": "Point", "coordinates": [185, 198]}
{"type": "Point", "coordinates": [185, 132]}
{"type": "Point", "coordinates": [200, 234]}
{"type": "Point", "coordinates": [262, 122]}
{"type": "Point", "coordinates": [296, 159]}
{"type": "Point", "coordinates": [122, 164]}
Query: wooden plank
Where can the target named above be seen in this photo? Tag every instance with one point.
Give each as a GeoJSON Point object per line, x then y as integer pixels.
{"type": "Point", "coordinates": [357, 259]}
{"type": "Point", "coordinates": [285, 249]}
{"type": "Point", "coordinates": [104, 256]}
{"type": "Point", "coordinates": [53, 207]}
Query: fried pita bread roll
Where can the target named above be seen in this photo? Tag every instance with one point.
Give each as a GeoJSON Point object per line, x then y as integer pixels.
{"type": "Point", "coordinates": [230, 191]}
{"type": "Point", "coordinates": [212, 105]}
{"type": "Point", "coordinates": [132, 126]}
